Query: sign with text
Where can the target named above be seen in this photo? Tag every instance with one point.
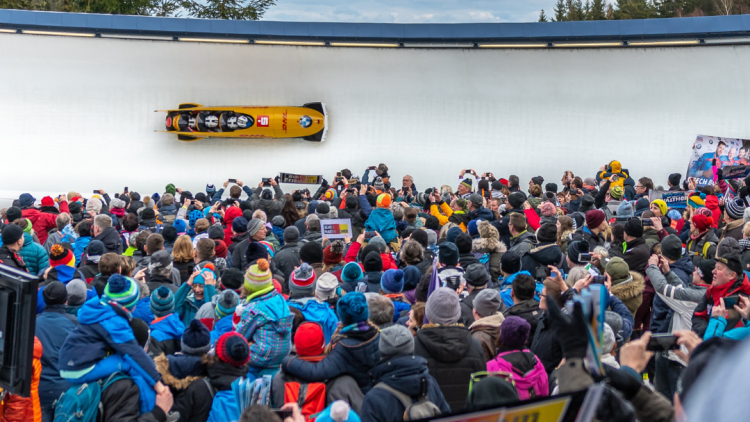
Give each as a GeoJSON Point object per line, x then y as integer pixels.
{"type": "Point", "coordinates": [336, 229]}
{"type": "Point", "coordinates": [724, 152]}
{"type": "Point", "coordinates": [550, 410]}
{"type": "Point", "coordinates": [300, 179]}
{"type": "Point", "coordinates": [736, 172]}
{"type": "Point", "coordinates": [674, 199]}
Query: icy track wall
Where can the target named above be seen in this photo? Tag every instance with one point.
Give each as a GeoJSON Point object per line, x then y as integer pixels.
{"type": "Point", "coordinates": [79, 113]}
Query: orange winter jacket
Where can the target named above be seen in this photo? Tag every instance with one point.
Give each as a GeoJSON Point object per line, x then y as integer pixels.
{"type": "Point", "coordinates": [21, 409]}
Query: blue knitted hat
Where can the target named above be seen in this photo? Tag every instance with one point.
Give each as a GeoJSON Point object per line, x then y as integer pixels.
{"type": "Point", "coordinates": [392, 281]}
{"type": "Point", "coordinates": [412, 276]}
{"type": "Point", "coordinates": [352, 308]}
{"type": "Point", "coordinates": [452, 234]}
{"type": "Point", "coordinates": [196, 340]}
{"type": "Point", "coordinates": [472, 228]}
{"type": "Point", "coordinates": [239, 224]}
{"type": "Point", "coordinates": [123, 290]}
{"type": "Point", "coordinates": [180, 225]}
{"type": "Point", "coordinates": [199, 279]}
{"type": "Point", "coordinates": [162, 302]}
{"type": "Point", "coordinates": [195, 215]}
{"type": "Point", "coordinates": [352, 272]}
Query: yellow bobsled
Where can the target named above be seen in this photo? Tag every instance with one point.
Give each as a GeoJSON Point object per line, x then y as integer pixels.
{"type": "Point", "coordinates": [191, 122]}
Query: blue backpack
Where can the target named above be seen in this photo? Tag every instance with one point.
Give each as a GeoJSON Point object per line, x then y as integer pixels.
{"type": "Point", "coordinates": [82, 403]}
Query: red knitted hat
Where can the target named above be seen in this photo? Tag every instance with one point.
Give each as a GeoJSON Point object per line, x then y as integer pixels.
{"type": "Point", "coordinates": [47, 201]}
{"type": "Point", "coordinates": [701, 222]}
{"type": "Point", "coordinates": [333, 253]}
{"type": "Point", "coordinates": [595, 218]}
{"type": "Point", "coordinates": [232, 348]}
{"type": "Point", "coordinates": [309, 339]}
{"type": "Point", "coordinates": [504, 182]}
{"type": "Point", "coordinates": [220, 249]}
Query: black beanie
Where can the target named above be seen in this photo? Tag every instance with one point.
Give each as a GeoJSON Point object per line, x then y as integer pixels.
{"type": "Point", "coordinates": [550, 187]}
{"type": "Point", "coordinates": [169, 233]}
{"type": "Point", "coordinates": [232, 279]}
{"type": "Point", "coordinates": [351, 202]}
{"type": "Point", "coordinates": [516, 200]}
{"type": "Point", "coordinates": [373, 262]}
{"type": "Point", "coordinates": [311, 252]}
{"type": "Point", "coordinates": [674, 179]}
{"type": "Point", "coordinates": [432, 223]}
{"type": "Point", "coordinates": [13, 214]}
{"type": "Point", "coordinates": [496, 185]}
{"type": "Point", "coordinates": [633, 227]}
{"type": "Point", "coordinates": [576, 248]}
{"type": "Point", "coordinates": [147, 214]}
{"type": "Point", "coordinates": [463, 243]}
{"type": "Point", "coordinates": [547, 233]}
{"type": "Point", "coordinates": [420, 236]}
{"type": "Point", "coordinates": [510, 262]}
{"type": "Point", "coordinates": [55, 293]}
{"type": "Point", "coordinates": [11, 233]}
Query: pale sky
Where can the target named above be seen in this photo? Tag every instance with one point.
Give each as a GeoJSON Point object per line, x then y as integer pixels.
{"type": "Point", "coordinates": [409, 11]}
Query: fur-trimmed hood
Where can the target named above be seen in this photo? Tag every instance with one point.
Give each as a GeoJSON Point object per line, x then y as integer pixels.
{"type": "Point", "coordinates": [489, 241]}
{"type": "Point", "coordinates": [181, 365]}
{"type": "Point", "coordinates": [630, 288]}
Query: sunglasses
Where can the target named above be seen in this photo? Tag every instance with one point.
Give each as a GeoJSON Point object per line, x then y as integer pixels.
{"type": "Point", "coordinates": [478, 376]}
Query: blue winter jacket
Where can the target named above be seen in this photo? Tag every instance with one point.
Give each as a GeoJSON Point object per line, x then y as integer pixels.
{"type": "Point", "coordinates": [481, 213]}
{"type": "Point", "coordinates": [616, 306]}
{"type": "Point", "coordinates": [52, 327]}
{"type": "Point", "coordinates": [349, 356]}
{"type": "Point", "coordinates": [99, 332]}
{"type": "Point", "coordinates": [143, 310]}
{"type": "Point", "coordinates": [221, 327]}
{"type": "Point", "coordinates": [34, 255]}
{"type": "Point", "coordinates": [716, 327]}
{"type": "Point", "coordinates": [506, 285]}
{"type": "Point", "coordinates": [318, 312]}
{"type": "Point", "coordinates": [79, 246]}
{"type": "Point", "coordinates": [168, 328]}
{"type": "Point", "coordinates": [64, 275]}
{"type": "Point", "coordinates": [382, 221]}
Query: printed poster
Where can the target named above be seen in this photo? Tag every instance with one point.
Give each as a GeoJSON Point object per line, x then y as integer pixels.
{"type": "Point", "coordinates": [300, 179]}
{"type": "Point", "coordinates": [337, 228]}
{"type": "Point", "coordinates": [674, 199]}
{"type": "Point", "coordinates": [550, 410]}
{"type": "Point", "coordinates": [727, 152]}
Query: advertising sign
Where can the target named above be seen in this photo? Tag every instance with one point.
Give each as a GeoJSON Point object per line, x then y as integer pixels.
{"type": "Point", "coordinates": [336, 229]}
{"type": "Point", "coordinates": [726, 151]}
{"type": "Point", "coordinates": [300, 179]}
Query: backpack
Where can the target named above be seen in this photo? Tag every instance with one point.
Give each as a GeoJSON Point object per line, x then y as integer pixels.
{"type": "Point", "coordinates": [311, 397]}
{"type": "Point", "coordinates": [529, 385]}
{"type": "Point", "coordinates": [82, 403]}
{"type": "Point", "coordinates": [421, 409]}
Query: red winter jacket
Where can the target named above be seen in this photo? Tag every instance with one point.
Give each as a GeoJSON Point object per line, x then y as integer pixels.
{"type": "Point", "coordinates": [712, 203]}
{"type": "Point", "coordinates": [43, 222]}
{"type": "Point", "coordinates": [229, 215]}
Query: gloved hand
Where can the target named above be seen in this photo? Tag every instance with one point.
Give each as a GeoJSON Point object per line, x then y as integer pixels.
{"type": "Point", "coordinates": [571, 332]}
{"type": "Point", "coordinates": [720, 174]}
{"type": "Point", "coordinates": [624, 383]}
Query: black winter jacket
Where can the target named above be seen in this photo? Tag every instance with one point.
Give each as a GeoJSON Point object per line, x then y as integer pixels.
{"type": "Point", "coordinates": [111, 240]}
{"type": "Point", "coordinates": [542, 255]}
{"type": "Point", "coordinates": [529, 311]}
{"type": "Point", "coordinates": [545, 346]}
{"type": "Point", "coordinates": [195, 403]}
{"type": "Point", "coordinates": [452, 356]}
{"type": "Point", "coordinates": [287, 259]}
{"type": "Point", "coordinates": [120, 404]}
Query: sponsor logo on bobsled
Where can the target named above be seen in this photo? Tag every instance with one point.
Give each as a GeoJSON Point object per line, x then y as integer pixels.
{"type": "Point", "coordinates": [263, 121]}
{"type": "Point", "coordinates": [283, 121]}
{"type": "Point", "coordinates": [245, 121]}
{"type": "Point", "coordinates": [305, 121]}
{"type": "Point", "coordinates": [169, 121]}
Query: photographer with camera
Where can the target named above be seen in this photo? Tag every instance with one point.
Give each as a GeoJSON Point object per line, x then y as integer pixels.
{"type": "Point", "coordinates": [263, 200]}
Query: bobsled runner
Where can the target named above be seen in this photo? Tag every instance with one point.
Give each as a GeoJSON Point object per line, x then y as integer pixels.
{"type": "Point", "coordinates": [191, 122]}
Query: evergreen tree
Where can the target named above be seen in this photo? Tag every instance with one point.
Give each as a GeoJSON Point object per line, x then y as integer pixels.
{"type": "Point", "coordinates": [596, 13]}
{"type": "Point", "coordinates": [560, 12]}
{"type": "Point", "coordinates": [543, 17]}
{"type": "Point", "coordinates": [634, 9]}
{"type": "Point", "coordinates": [230, 9]}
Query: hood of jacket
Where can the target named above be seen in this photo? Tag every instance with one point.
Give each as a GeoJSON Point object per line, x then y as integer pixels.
{"type": "Point", "coordinates": [481, 213]}
{"type": "Point", "coordinates": [222, 374]}
{"type": "Point", "coordinates": [508, 281]}
{"type": "Point", "coordinates": [685, 264]}
{"type": "Point", "coordinates": [110, 238]}
{"type": "Point", "coordinates": [629, 289]}
{"type": "Point", "coordinates": [446, 343]}
{"type": "Point", "coordinates": [27, 239]}
{"type": "Point", "coordinates": [523, 237]}
{"type": "Point", "coordinates": [491, 323]}
{"type": "Point", "coordinates": [169, 327]}
{"type": "Point", "coordinates": [179, 371]}
{"type": "Point", "coordinates": [549, 254]}
{"type": "Point", "coordinates": [489, 241]}
{"type": "Point", "coordinates": [403, 373]}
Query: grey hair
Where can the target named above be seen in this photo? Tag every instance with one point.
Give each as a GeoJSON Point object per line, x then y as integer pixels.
{"type": "Point", "coordinates": [103, 221]}
{"type": "Point", "coordinates": [94, 204]}
{"type": "Point", "coordinates": [312, 222]}
{"type": "Point", "coordinates": [575, 274]}
{"type": "Point", "coordinates": [381, 309]}
{"type": "Point", "coordinates": [398, 212]}
{"type": "Point", "coordinates": [260, 215]}
{"type": "Point", "coordinates": [62, 220]}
